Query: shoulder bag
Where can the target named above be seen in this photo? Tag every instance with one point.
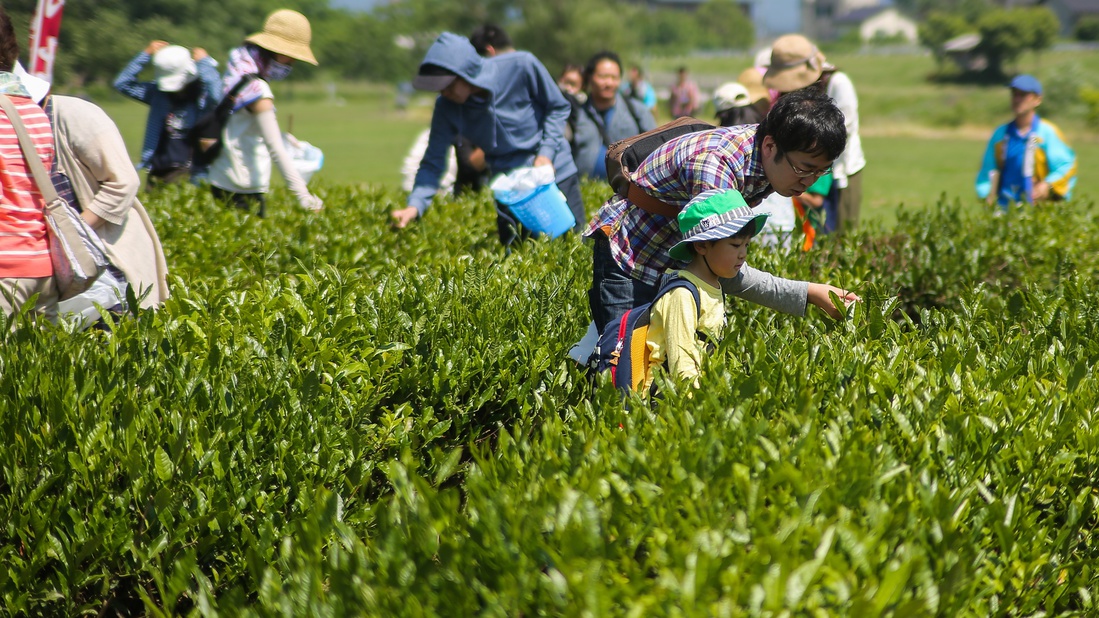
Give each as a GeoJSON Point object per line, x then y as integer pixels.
{"type": "Point", "coordinates": [77, 253]}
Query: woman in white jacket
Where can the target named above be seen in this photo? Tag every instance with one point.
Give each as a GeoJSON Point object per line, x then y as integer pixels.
{"type": "Point", "coordinates": [241, 174]}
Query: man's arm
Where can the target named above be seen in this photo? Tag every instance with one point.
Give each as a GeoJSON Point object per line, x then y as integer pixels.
{"type": "Point", "coordinates": [211, 80]}
{"type": "Point", "coordinates": [127, 83]}
{"type": "Point", "coordinates": [785, 295]}
{"type": "Point", "coordinates": [546, 93]}
{"type": "Point", "coordinates": [431, 169]}
{"type": "Point", "coordinates": [988, 166]}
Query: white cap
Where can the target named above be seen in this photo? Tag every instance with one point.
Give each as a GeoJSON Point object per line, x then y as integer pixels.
{"type": "Point", "coordinates": [730, 95]}
{"type": "Point", "coordinates": [174, 68]}
{"type": "Point", "coordinates": [36, 86]}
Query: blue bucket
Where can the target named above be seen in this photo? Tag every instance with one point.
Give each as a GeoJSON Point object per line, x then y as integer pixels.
{"type": "Point", "coordinates": [542, 211]}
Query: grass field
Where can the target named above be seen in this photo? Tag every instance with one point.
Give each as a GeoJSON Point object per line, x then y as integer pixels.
{"type": "Point", "coordinates": [920, 140]}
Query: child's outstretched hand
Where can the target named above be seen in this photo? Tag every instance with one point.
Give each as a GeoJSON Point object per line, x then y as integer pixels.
{"type": "Point", "coordinates": [820, 295]}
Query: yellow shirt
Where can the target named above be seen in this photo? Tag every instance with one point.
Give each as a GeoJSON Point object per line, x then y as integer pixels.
{"type": "Point", "coordinates": [673, 325]}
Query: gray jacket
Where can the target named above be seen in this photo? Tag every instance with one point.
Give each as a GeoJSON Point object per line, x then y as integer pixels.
{"type": "Point", "coordinates": [587, 141]}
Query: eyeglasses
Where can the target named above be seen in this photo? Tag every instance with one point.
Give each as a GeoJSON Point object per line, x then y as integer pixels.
{"type": "Point", "coordinates": [800, 173]}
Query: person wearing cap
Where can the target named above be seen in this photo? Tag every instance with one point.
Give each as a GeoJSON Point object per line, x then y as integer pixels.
{"type": "Point", "coordinates": [1027, 160]}
{"type": "Point", "coordinates": [716, 227]}
{"type": "Point", "coordinates": [605, 117]}
{"type": "Point", "coordinates": [241, 174]}
{"type": "Point", "coordinates": [92, 172]}
{"type": "Point", "coordinates": [25, 267]}
{"type": "Point", "coordinates": [632, 233]}
{"type": "Point", "coordinates": [733, 105]}
{"type": "Point", "coordinates": [186, 84]}
{"type": "Point", "coordinates": [737, 103]}
{"type": "Point", "coordinates": [797, 63]}
{"type": "Point", "coordinates": [509, 105]}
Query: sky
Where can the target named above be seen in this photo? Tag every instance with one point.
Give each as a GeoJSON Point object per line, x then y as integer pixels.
{"type": "Point", "coordinates": [359, 5]}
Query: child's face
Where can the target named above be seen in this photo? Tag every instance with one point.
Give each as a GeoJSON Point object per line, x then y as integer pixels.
{"type": "Point", "coordinates": [725, 256]}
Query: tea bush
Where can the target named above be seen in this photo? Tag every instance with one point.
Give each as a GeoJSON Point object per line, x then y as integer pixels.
{"type": "Point", "coordinates": [330, 417]}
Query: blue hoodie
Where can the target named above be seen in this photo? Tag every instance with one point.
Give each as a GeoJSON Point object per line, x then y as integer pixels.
{"type": "Point", "coordinates": [521, 116]}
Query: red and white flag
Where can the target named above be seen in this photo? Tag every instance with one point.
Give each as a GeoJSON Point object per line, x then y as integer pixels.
{"type": "Point", "coordinates": [44, 30]}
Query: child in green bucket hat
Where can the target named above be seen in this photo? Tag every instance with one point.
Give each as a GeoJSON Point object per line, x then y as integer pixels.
{"type": "Point", "coordinates": [717, 226]}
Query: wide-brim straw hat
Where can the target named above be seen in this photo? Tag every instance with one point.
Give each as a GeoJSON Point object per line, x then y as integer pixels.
{"type": "Point", "coordinates": [795, 64]}
{"type": "Point", "coordinates": [288, 33]}
{"type": "Point", "coordinates": [752, 79]}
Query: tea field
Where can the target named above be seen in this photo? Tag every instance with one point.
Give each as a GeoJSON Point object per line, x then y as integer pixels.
{"type": "Point", "coordinates": [332, 418]}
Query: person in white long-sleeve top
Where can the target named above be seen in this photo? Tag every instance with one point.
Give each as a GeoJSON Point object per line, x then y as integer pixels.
{"type": "Point", "coordinates": [796, 63]}
{"type": "Point", "coordinates": [241, 174]}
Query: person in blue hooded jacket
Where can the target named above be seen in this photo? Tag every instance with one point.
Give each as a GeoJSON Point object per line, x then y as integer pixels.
{"type": "Point", "coordinates": [509, 105]}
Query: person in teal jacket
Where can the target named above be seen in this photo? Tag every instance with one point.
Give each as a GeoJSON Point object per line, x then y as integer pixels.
{"type": "Point", "coordinates": [509, 105]}
{"type": "Point", "coordinates": [1027, 159]}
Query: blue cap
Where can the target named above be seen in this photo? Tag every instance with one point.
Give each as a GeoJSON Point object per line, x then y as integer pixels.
{"type": "Point", "coordinates": [1027, 83]}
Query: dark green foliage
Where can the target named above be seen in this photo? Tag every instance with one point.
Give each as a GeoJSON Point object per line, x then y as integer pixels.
{"type": "Point", "coordinates": [332, 418]}
{"type": "Point", "coordinates": [937, 29]}
{"type": "Point", "coordinates": [1087, 28]}
{"type": "Point", "coordinates": [1006, 34]}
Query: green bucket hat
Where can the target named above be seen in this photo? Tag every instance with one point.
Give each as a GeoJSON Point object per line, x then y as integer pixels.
{"type": "Point", "coordinates": [713, 215]}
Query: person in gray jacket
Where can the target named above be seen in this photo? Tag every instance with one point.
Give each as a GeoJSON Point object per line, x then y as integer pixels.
{"type": "Point", "coordinates": [509, 106]}
{"type": "Point", "coordinates": [606, 116]}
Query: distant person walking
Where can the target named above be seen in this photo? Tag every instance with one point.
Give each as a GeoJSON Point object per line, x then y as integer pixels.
{"type": "Point", "coordinates": [637, 87]}
{"type": "Point", "coordinates": [241, 174]}
{"type": "Point", "coordinates": [509, 105]}
{"type": "Point", "coordinates": [1027, 159]}
{"type": "Point", "coordinates": [606, 116]}
{"type": "Point", "coordinates": [186, 84]}
{"type": "Point", "coordinates": [796, 63]}
{"type": "Point", "coordinates": [685, 99]}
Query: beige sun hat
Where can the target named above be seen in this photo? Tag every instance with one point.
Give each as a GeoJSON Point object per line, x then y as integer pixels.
{"type": "Point", "coordinates": [795, 63]}
{"type": "Point", "coordinates": [288, 33]}
{"type": "Point", "coordinates": [752, 79]}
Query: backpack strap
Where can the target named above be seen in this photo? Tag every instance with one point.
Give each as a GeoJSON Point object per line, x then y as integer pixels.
{"type": "Point", "coordinates": [226, 103]}
{"type": "Point", "coordinates": [648, 203]}
{"type": "Point", "coordinates": [673, 281]}
{"type": "Point", "coordinates": [598, 120]}
{"type": "Point", "coordinates": [629, 101]}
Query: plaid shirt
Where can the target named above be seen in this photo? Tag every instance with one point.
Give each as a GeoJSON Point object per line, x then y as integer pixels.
{"type": "Point", "coordinates": [724, 158]}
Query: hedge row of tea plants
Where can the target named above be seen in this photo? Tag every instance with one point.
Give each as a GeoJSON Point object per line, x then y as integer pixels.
{"type": "Point", "coordinates": [330, 417]}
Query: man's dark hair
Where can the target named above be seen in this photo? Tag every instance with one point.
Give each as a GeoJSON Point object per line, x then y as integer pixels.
{"type": "Point", "coordinates": [9, 47]}
{"type": "Point", "coordinates": [807, 121]}
{"type": "Point", "coordinates": [594, 61]}
{"type": "Point", "coordinates": [489, 35]}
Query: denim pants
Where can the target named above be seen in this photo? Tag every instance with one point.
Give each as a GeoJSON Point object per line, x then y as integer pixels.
{"type": "Point", "coordinates": [508, 226]}
{"type": "Point", "coordinates": [613, 292]}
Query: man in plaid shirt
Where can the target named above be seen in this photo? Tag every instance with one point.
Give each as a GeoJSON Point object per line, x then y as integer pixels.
{"type": "Point", "coordinates": [797, 142]}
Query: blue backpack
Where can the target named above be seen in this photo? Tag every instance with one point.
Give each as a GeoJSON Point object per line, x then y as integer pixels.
{"type": "Point", "coordinates": [622, 346]}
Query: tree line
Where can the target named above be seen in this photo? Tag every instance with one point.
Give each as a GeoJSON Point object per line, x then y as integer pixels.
{"type": "Point", "coordinates": [98, 37]}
